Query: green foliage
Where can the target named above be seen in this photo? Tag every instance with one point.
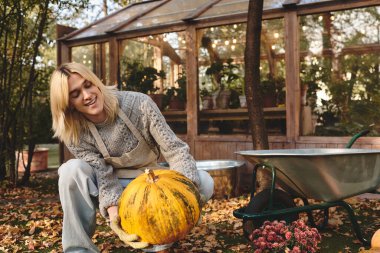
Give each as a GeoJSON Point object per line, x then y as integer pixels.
{"type": "Point", "coordinates": [140, 78]}
{"type": "Point", "coordinates": [27, 30]}
{"type": "Point", "coordinates": [351, 103]}
{"type": "Point", "coordinates": [41, 131]}
{"type": "Point", "coordinates": [225, 74]}
{"type": "Point", "coordinates": [179, 92]}
{"type": "Point", "coordinates": [343, 86]}
{"type": "Point", "coordinates": [21, 35]}
{"type": "Point", "coordinates": [268, 87]}
{"type": "Point", "coordinates": [274, 87]}
{"type": "Point", "coordinates": [204, 92]}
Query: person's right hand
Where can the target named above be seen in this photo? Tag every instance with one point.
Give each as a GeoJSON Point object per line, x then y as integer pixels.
{"type": "Point", "coordinates": [129, 239]}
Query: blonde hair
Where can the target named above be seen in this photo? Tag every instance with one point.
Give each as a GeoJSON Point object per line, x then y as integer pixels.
{"type": "Point", "coordinates": [68, 123]}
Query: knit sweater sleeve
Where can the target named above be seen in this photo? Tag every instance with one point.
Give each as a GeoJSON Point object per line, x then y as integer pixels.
{"type": "Point", "coordinates": [175, 151]}
{"type": "Point", "coordinates": [108, 185]}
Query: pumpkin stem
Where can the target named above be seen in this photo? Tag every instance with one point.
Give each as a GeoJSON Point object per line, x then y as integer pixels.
{"type": "Point", "coordinates": [151, 176]}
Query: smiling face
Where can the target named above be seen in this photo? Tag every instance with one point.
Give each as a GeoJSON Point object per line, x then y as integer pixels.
{"type": "Point", "coordinates": [86, 98]}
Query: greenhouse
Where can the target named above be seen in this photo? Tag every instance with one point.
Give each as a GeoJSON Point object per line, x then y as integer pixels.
{"type": "Point", "coordinates": [320, 64]}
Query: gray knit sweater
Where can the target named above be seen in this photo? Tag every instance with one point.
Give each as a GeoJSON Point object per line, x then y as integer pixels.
{"type": "Point", "coordinates": [118, 139]}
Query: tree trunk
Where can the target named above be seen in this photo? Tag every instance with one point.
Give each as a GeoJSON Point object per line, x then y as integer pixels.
{"type": "Point", "coordinates": [12, 144]}
{"type": "Point", "coordinates": [252, 83]}
{"type": "Point", "coordinates": [32, 77]}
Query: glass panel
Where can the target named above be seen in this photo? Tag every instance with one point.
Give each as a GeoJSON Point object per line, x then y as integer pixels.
{"type": "Point", "coordinates": [221, 78]}
{"type": "Point", "coordinates": [155, 65]}
{"type": "Point", "coordinates": [171, 12]}
{"type": "Point", "coordinates": [95, 57]}
{"type": "Point", "coordinates": [340, 72]}
{"type": "Point", "coordinates": [114, 19]}
{"type": "Point", "coordinates": [84, 55]}
{"type": "Point", "coordinates": [232, 7]}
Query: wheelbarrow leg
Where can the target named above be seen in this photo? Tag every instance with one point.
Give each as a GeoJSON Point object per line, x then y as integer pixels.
{"type": "Point", "coordinates": [311, 217]}
{"type": "Point", "coordinates": [254, 181]}
{"type": "Point", "coordinates": [325, 218]}
{"type": "Point", "coordinates": [273, 183]}
{"type": "Point", "coordinates": [354, 223]}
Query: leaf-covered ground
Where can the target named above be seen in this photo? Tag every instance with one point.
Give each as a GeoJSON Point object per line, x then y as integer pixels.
{"type": "Point", "coordinates": [31, 217]}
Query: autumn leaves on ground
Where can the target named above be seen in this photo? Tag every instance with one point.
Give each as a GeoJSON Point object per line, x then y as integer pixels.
{"type": "Point", "coordinates": [31, 217]}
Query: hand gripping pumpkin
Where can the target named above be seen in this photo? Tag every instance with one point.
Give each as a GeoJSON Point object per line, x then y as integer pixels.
{"type": "Point", "coordinates": [161, 206]}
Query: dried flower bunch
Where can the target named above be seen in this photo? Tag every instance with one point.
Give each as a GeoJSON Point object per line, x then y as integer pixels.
{"type": "Point", "coordinates": [277, 236]}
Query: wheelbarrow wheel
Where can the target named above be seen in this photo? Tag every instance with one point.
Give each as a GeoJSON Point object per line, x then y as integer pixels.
{"type": "Point", "coordinates": [260, 203]}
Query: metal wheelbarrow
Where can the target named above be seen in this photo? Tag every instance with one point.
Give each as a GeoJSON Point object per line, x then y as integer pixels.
{"type": "Point", "coordinates": [326, 175]}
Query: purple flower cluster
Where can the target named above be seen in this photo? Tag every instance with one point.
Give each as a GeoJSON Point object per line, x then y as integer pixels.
{"type": "Point", "coordinates": [276, 236]}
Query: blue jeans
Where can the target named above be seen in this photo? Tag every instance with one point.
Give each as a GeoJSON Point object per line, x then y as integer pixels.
{"type": "Point", "coordinates": [78, 193]}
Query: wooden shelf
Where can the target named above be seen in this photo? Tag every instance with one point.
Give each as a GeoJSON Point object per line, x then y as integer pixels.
{"type": "Point", "coordinates": [225, 114]}
{"type": "Point", "coordinates": [241, 114]}
{"type": "Point", "coordinates": [174, 116]}
{"type": "Point", "coordinates": [174, 113]}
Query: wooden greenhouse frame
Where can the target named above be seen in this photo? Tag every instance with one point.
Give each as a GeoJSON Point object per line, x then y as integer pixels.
{"type": "Point", "coordinates": [207, 146]}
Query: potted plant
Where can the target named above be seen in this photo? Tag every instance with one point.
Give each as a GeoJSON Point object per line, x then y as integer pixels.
{"type": "Point", "coordinates": [268, 91]}
{"type": "Point", "coordinates": [39, 160]}
{"type": "Point", "coordinates": [281, 91]}
{"type": "Point", "coordinates": [237, 98]}
{"type": "Point", "coordinates": [142, 79]}
{"type": "Point", "coordinates": [206, 97]}
{"type": "Point", "coordinates": [223, 76]}
{"type": "Point", "coordinates": [176, 97]}
{"type": "Point", "coordinates": [242, 97]}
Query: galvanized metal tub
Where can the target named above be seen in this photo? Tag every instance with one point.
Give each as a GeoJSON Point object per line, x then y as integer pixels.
{"type": "Point", "coordinates": [323, 174]}
{"type": "Point", "coordinates": [224, 173]}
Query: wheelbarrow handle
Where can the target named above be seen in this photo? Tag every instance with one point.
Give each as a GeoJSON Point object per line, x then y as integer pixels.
{"type": "Point", "coordinates": [357, 136]}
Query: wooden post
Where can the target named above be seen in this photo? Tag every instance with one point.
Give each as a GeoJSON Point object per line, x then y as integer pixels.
{"type": "Point", "coordinates": [63, 51]}
{"type": "Point", "coordinates": [192, 87]}
{"type": "Point", "coordinates": [114, 60]}
{"type": "Point", "coordinates": [293, 93]}
{"type": "Point", "coordinates": [103, 63]}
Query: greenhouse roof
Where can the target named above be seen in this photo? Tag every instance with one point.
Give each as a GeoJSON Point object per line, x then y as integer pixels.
{"type": "Point", "coordinates": [159, 13]}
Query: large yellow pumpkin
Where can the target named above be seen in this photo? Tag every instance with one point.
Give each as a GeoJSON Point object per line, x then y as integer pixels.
{"type": "Point", "coordinates": [375, 241]}
{"type": "Point", "coordinates": [160, 206]}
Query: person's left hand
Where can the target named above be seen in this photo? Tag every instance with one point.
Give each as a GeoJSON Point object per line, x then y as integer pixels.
{"type": "Point", "coordinates": [129, 239]}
